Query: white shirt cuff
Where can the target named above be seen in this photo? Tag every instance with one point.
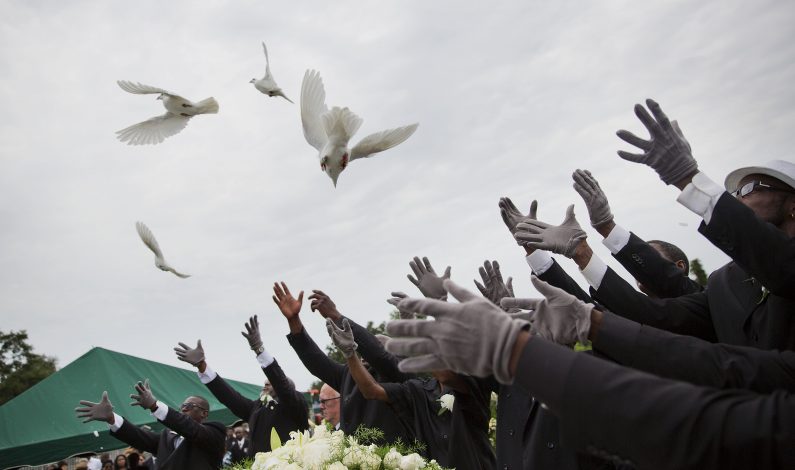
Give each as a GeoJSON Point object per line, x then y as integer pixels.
{"type": "Point", "coordinates": [539, 261]}
{"type": "Point", "coordinates": [701, 195]}
{"type": "Point", "coordinates": [265, 359]}
{"type": "Point", "coordinates": [117, 422]}
{"type": "Point", "coordinates": [161, 411]}
{"type": "Point", "coordinates": [594, 271]}
{"type": "Point", "coordinates": [207, 376]}
{"type": "Point", "coordinates": [617, 239]}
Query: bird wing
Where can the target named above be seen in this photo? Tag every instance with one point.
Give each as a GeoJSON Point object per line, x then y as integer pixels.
{"type": "Point", "coordinates": [267, 62]}
{"type": "Point", "coordinates": [154, 130]}
{"type": "Point", "coordinates": [141, 89]}
{"type": "Point", "coordinates": [313, 105]}
{"type": "Point", "coordinates": [148, 238]}
{"type": "Point", "coordinates": [177, 273]}
{"type": "Point", "coordinates": [381, 141]}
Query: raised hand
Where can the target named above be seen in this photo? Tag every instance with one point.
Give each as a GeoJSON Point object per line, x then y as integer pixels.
{"type": "Point", "coordinates": [667, 151]}
{"type": "Point", "coordinates": [342, 337]}
{"type": "Point", "coordinates": [395, 300]}
{"type": "Point", "coordinates": [252, 334]}
{"type": "Point", "coordinates": [559, 317]}
{"type": "Point", "coordinates": [102, 411]}
{"type": "Point", "coordinates": [427, 281]}
{"type": "Point", "coordinates": [472, 337]}
{"type": "Point", "coordinates": [323, 304]}
{"type": "Point", "coordinates": [193, 356]}
{"type": "Point", "coordinates": [493, 287]}
{"type": "Point", "coordinates": [562, 239]}
{"type": "Point", "coordinates": [289, 306]}
{"type": "Point", "coordinates": [511, 215]}
{"type": "Point", "coordinates": [595, 200]}
{"type": "Point", "coordinates": [144, 397]}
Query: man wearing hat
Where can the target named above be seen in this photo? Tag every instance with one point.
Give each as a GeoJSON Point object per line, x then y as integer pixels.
{"type": "Point", "coordinates": [751, 300]}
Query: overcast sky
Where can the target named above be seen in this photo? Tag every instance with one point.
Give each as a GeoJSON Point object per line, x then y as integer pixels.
{"type": "Point", "coordinates": [511, 97]}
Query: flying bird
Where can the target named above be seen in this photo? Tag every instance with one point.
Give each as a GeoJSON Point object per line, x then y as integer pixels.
{"type": "Point", "coordinates": [178, 112]}
{"type": "Point", "coordinates": [267, 84]}
{"type": "Point", "coordinates": [330, 131]}
{"type": "Point", "coordinates": [150, 241]}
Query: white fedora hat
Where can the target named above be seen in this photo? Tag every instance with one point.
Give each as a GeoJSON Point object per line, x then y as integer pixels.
{"type": "Point", "coordinates": [779, 169]}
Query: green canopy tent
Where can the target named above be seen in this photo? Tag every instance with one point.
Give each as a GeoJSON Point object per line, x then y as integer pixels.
{"type": "Point", "coordinates": [39, 426]}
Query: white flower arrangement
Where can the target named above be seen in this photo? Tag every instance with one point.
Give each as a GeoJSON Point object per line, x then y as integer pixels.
{"type": "Point", "coordinates": [332, 450]}
{"type": "Point", "coordinates": [446, 401]}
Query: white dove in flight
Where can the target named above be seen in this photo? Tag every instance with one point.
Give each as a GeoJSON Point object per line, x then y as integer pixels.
{"type": "Point", "coordinates": [330, 131]}
{"type": "Point", "coordinates": [178, 112]}
{"type": "Point", "coordinates": [267, 84]}
{"type": "Point", "coordinates": [149, 240]}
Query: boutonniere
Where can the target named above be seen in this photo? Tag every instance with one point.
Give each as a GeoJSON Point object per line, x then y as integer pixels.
{"type": "Point", "coordinates": [765, 293]}
{"type": "Point", "coordinates": [446, 401]}
{"type": "Point", "coordinates": [267, 400]}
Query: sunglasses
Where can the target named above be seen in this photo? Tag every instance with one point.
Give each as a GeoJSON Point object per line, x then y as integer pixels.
{"type": "Point", "coordinates": [323, 401]}
{"type": "Point", "coordinates": [752, 186]}
{"type": "Point", "coordinates": [189, 406]}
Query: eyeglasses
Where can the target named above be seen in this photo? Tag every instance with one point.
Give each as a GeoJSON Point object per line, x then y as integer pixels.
{"type": "Point", "coordinates": [752, 186]}
{"type": "Point", "coordinates": [323, 401]}
{"type": "Point", "coordinates": [189, 406]}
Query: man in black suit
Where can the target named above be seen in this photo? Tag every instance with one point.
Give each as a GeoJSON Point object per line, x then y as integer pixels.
{"type": "Point", "coordinates": [189, 441]}
{"type": "Point", "coordinates": [279, 407]}
{"type": "Point", "coordinates": [239, 446]}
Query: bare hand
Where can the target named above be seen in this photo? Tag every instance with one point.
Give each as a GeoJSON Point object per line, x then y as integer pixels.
{"type": "Point", "coordinates": [289, 306]}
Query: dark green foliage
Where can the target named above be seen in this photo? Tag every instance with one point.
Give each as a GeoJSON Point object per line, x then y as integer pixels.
{"type": "Point", "coordinates": [20, 367]}
{"type": "Point", "coordinates": [697, 272]}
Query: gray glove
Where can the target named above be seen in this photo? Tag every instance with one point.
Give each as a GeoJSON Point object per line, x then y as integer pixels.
{"type": "Point", "coordinates": [472, 337]}
{"type": "Point", "coordinates": [427, 281]}
{"type": "Point", "coordinates": [511, 215]}
{"type": "Point", "coordinates": [102, 411]}
{"type": "Point", "coordinates": [667, 151]}
{"type": "Point", "coordinates": [193, 356]}
{"type": "Point", "coordinates": [595, 200]}
{"type": "Point", "coordinates": [252, 334]}
{"type": "Point", "coordinates": [493, 287]}
{"type": "Point", "coordinates": [559, 317]}
{"type": "Point", "coordinates": [561, 239]}
{"type": "Point", "coordinates": [395, 300]}
{"type": "Point", "coordinates": [144, 398]}
{"type": "Point", "coordinates": [342, 337]}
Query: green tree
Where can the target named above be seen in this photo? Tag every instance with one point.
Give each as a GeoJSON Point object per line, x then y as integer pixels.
{"type": "Point", "coordinates": [697, 272]}
{"type": "Point", "coordinates": [20, 367]}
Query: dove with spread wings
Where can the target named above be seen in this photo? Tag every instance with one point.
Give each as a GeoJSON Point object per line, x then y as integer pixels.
{"type": "Point", "coordinates": [267, 84]}
{"type": "Point", "coordinates": [150, 241]}
{"type": "Point", "coordinates": [178, 112]}
{"type": "Point", "coordinates": [330, 131]}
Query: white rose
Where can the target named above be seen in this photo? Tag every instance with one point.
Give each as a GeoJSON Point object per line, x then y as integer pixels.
{"type": "Point", "coordinates": [446, 401]}
{"type": "Point", "coordinates": [337, 466]}
{"type": "Point", "coordinates": [392, 459]}
{"type": "Point", "coordinates": [411, 462]}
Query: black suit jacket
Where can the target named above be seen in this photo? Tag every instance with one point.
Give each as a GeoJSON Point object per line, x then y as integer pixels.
{"type": "Point", "coordinates": [470, 447]}
{"type": "Point", "coordinates": [289, 414]}
{"type": "Point", "coordinates": [239, 452]}
{"type": "Point", "coordinates": [657, 274]}
{"type": "Point", "coordinates": [355, 409]}
{"type": "Point", "coordinates": [632, 417]}
{"type": "Point", "coordinates": [384, 363]}
{"type": "Point", "coordinates": [202, 446]}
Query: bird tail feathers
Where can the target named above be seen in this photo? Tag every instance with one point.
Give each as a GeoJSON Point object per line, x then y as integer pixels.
{"type": "Point", "coordinates": [207, 106]}
{"type": "Point", "coordinates": [341, 123]}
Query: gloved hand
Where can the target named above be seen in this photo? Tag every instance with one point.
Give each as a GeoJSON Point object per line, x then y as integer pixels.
{"type": "Point", "coordinates": [193, 356]}
{"type": "Point", "coordinates": [559, 317]}
{"type": "Point", "coordinates": [342, 337]}
{"type": "Point", "coordinates": [595, 200]}
{"type": "Point", "coordinates": [511, 215]}
{"type": "Point", "coordinates": [102, 411]}
{"type": "Point", "coordinates": [144, 398]}
{"type": "Point", "coordinates": [323, 304]}
{"type": "Point", "coordinates": [427, 281]}
{"type": "Point", "coordinates": [472, 337]}
{"type": "Point", "coordinates": [561, 239]}
{"type": "Point", "coordinates": [288, 305]}
{"type": "Point", "coordinates": [252, 334]}
{"type": "Point", "coordinates": [493, 287]}
{"type": "Point", "coordinates": [667, 151]}
{"type": "Point", "coordinates": [395, 300]}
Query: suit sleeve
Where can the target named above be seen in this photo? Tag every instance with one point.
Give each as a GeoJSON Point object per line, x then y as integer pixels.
{"type": "Point", "coordinates": [558, 277]}
{"type": "Point", "coordinates": [736, 429]}
{"type": "Point", "coordinates": [657, 274]}
{"type": "Point", "coordinates": [203, 435]}
{"type": "Point", "coordinates": [693, 360]}
{"type": "Point", "coordinates": [316, 361]}
{"type": "Point", "coordinates": [137, 437]}
{"type": "Point", "coordinates": [686, 315]}
{"type": "Point", "coordinates": [285, 390]}
{"type": "Point", "coordinates": [239, 405]}
{"type": "Point", "coordinates": [374, 353]}
{"type": "Point", "coordinates": [760, 248]}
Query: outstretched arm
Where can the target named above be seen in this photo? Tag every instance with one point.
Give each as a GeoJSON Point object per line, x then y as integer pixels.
{"type": "Point", "coordinates": [343, 339]}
